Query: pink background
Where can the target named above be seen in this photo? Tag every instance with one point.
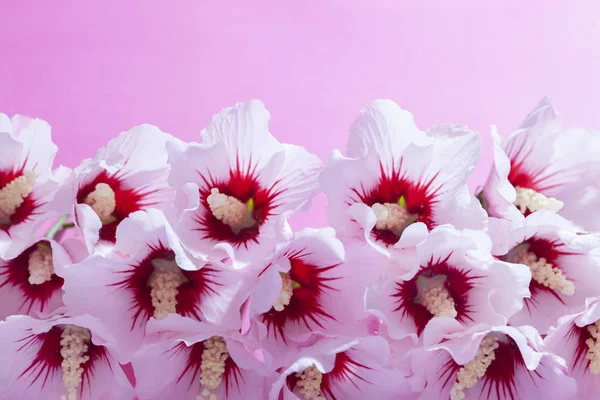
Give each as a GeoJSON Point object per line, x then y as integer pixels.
{"type": "Point", "coordinates": [93, 70]}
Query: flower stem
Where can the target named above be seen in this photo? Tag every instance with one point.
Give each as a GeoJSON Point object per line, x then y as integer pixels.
{"type": "Point", "coordinates": [58, 225]}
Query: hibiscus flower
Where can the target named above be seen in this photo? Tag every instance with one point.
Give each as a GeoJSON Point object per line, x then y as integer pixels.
{"type": "Point", "coordinates": [545, 166]}
{"type": "Point", "coordinates": [128, 175]}
{"type": "Point", "coordinates": [561, 261]}
{"type": "Point", "coordinates": [66, 358]}
{"type": "Point", "coordinates": [236, 188]}
{"type": "Point", "coordinates": [28, 187]}
{"type": "Point", "coordinates": [397, 181]}
{"type": "Point", "coordinates": [148, 275]}
{"type": "Point", "coordinates": [451, 282]}
{"type": "Point", "coordinates": [499, 363]}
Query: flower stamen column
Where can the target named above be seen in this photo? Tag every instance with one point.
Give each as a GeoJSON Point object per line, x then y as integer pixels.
{"type": "Point", "coordinates": [13, 194]}
{"type": "Point", "coordinates": [212, 368]}
{"type": "Point", "coordinates": [545, 273]}
{"type": "Point", "coordinates": [532, 201]}
{"type": "Point", "coordinates": [74, 340]}
{"type": "Point", "coordinates": [474, 370]}
{"type": "Point", "coordinates": [310, 383]}
{"type": "Point", "coordinates": [231, 211]}
{"type": "Point", "coordinates": [40, 265]}
{"type": "Point", "coordinates": [103, 201]}
{"type": "Point", "coordinates": [434, 296]}
{"type": "Point", "coordinates": [593, 344]}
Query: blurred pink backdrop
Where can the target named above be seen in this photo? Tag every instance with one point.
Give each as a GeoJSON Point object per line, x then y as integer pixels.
{"type": "Point", "coordinates": [94, 69]}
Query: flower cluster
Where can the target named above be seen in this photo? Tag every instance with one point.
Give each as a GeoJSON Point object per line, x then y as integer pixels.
{"type": "Point", "coordinates": [161, 270]}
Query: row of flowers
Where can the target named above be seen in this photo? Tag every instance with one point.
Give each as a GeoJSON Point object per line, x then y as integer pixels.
{"type": "Point", "coordinates": [167, 270]}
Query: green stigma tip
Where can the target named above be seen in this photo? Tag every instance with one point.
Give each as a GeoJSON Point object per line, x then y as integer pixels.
{"type": "Point", "coordinates": [402, 201]}
{"type": "Point", "coordinates": [250, 204]}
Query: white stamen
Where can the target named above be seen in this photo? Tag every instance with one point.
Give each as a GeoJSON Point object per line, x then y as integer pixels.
{"type": "Point", "coordinates": [436, 298]}
{"type": "Point", "coordinates": [212, 367]}
{"type": "Point", "coordinates": [40, 265]}
{"type": "Point", "coordinates": [14, 194]}
{"type": "Point", "coordinates": [103, 201]}
{"type": "Point", "coordinates": [545, 273]}
{"type": "Point", "coordinates": [593, 344]}
{"type": "Point", "coordinates": [287, 289]}
{"type": "Point", "coordinates": [230, 210]}
{"type": "Point", "coordinates": [468, 376]}
{"type": "Point", "coordinates": [529, 199]}
{"type": "Point", "coordinates": [74, 346]}
{"type": "Point", "coordinates": [391, 216]}
{"type": "Point", "coordinates": [164, 285]}
{"type": "Point", "coordinates": [310, 383]}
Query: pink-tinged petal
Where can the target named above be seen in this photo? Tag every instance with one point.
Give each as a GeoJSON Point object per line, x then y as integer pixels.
{"type": "Point", "coordinates": [339, 176]}
{"type": "Point", "coordinates": [515, 370]}
{"type": "Point", "coordinates": [498, 192]}
{"type": "Point", "coordinates": [34, 366]}
{"type": "Point", "coordinates": [38, 150]}
{"type": "Point", "coordinates": [299, 176]}
{"type": "Point", "coordinates": [244, 130]}
{"type": "Point", "coordinates": [385, 129]}
{"type": "Point", "coordinates": [90, 225]}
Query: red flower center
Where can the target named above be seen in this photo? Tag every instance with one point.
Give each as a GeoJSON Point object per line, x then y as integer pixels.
{"type": "Point", "coordinates": [456, 285]}
{"type": "Point", "coordinates": [412, 202]}
{"type": "Point", "coordinates": [193, 367]}
{"type": "Point", "coordinates": [245, 188]}
{"type": "Point", "coordinates": [584, 339]}
{"type": "Point", "coordinates": [547, 252]}
{"type": "Point", "coordinates": [190, 292]}
{"type": "Point", "coordinates": [499, 377]}
{"type": "Point", "coordinates": [345, 370]}
{"type": "Point", "coordinates": [126, 201]}
{"type": "Point", "coordinates": [16, 273]}
{"type": "Point", "coordinates": [309, 284]}
{"type": "Point", "coordinates": [46, 365]}
{"type": "Point", "coordinates": [14, 212]}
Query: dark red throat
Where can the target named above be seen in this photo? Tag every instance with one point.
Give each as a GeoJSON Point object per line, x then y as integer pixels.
{"type": "Point", "coordinates": [420, 198]}
{"type": "Point", "coordinates": [500, 376]}
{"type": "Point", "coordinates": [28, 209]}
{"type": "Point", "coordinates": [128, 200]}
{"type": "Point", "coordinates": [46, 366]}
{"type": "Point", "coordinates": [244, 185]}
{"type": "Point", "coordinates": [305, 304]}
{"type": "Point", "coordinates": [232, 376]}
{"type": "Point", "coordinates": [458, 282]}
{"type": "Point", "coordinates": [191, 293]}
{"type": "Point", "coordinates": [345, 370]}
{"type": "Point", "coordinates": [16, 273]}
